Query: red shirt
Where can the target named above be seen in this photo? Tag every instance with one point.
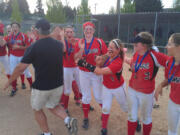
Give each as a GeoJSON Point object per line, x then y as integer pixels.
{"type": "Point", "coordinates": [20, 39]}
{"type": "Point", "coordinates": [3, 51]}
{"type": "Point", "coordinates": [111, 81]}
{"type": "Point", "coordinates": [68, 59]}
{"type": "Point", "coordinates": [175, 83]}
{"type": "Point", "coordinates": [142, 80]}
{"type": "Point", "coordinates": [96, 49]}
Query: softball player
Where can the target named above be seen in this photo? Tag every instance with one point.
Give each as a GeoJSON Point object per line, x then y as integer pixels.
{"type": "Point", "coordinates": [113, 81]}
{"type": "Point", "coordinates": [17, 42]}
{"type": "Point", "coordinates": [144, 65]}
{"type": "Point", "coordinates": [3, 52]}
{"type": "Point", "coordinates": [172, 77]}
{"type": "Point", "coordinates": [71, 71]}
{"type": "Point", "coordinates": [88, 48]}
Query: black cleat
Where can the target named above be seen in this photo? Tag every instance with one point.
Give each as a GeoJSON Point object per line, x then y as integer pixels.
{"type": "Point", "coordinates": [85, 124]}
{"type": "Point", "coordinates": [104, 131]}
{"type": "Point", "coordinates": [91, 108]}
{"type": "Point", "coordinates": [13, 92]}
{"type": "Point", "coordinates": [138, 128]}
{"type": "Point", "coordinates": [23, 86]}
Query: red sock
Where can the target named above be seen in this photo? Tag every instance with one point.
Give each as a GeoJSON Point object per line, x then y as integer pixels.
{"type": "Point", "coordinates": [86, 109]}
{"type": "Point", "coordinates": [8, 76]}
{"type": "Point", "coordinates": [14, 84]}
{"type": "Point", "coordinates": [22, 78]}
{"type": "Point", "coordinates": [30, 81]}
{"type": "Point", "coordinates": [66, 101]}
{"type": "Point", "coordinates": [132, 128]}
{"type": "Point", "coordinates": [75, 90]}
{"type": "Point", "coordinates": [147, 129]}
{"type": "Point", "coordinates": [104, 120]}
{"type": "Point", "coordinates": [62, 99]}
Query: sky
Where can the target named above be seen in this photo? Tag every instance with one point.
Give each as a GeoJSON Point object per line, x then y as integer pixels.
{"type": "Point", "coordinates": [102, 6]}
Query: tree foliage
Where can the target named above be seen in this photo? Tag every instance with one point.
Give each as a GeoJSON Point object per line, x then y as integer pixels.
{"type": "Point", "coordinates": [128, 7]}
{"type": "Point", "coordinates": [83, 11]}
{"type": "Point", "coordinates": [16, 14]}
{"type": "Point", "coordinates": [112, 10]}
{"type": "Point", "coordinates": [148, 5]}
{"type": "Point", "coordinates": [70, 13]}
{"type": "Point", "coordinates": [55, 12]}
{"type": "Point", "coordinates": [39, 7]}
{"type": "Point", "coordinates": [176, 5]}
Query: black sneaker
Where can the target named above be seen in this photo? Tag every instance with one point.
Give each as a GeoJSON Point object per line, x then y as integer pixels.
{"type": "Point", "coordinates": [91, 108]}
{"type": "Point", "coordinates": [85, 123]}
{"type": "Point", "coordinates": [138, 128]}
{"type": "Point", "coordinates": [104, 131]}
{"type": "Point", "coordinates": [72, 126]}
{"type": "Point", "coordinates": [13, 92]}
{"type": "Point", "coordinates": [23, 86]}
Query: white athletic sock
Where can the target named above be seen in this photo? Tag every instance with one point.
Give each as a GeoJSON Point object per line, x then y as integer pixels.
{"type": "Point", "coordinates": [47, 133]}
{"type": "Point", "coordinates": [66, 120]}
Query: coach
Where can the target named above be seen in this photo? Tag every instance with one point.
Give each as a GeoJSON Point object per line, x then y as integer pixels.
{"type": "Point", "coordinates": [46, 56]}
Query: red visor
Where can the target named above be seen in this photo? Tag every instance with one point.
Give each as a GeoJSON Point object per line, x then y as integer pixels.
{"type": "Point", "coordinates": [88, 24]}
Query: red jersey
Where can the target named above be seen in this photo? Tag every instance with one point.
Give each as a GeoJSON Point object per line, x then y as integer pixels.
{"type": "Point", "coordinates": [175, 82]}
{"type": "Point", "coordinates": [19, 39]}
{"type": "Point", "coordinates": [68, 59]}
{"type": "Point", "coordinates": [111, 81]}
{"type": "Point", "coordinates": [98, 47]}
{"type": "Point", "coordinates": [144, 79]}
{"type": "Point", "coordinates": [3, 51]}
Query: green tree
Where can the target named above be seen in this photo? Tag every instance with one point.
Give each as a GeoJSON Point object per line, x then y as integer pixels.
{"type": "Point", "coordinates": [70, 13]}
{"type": "Point", "coordinates": [23, 7]}
{"type": "Point", "coordinates": [128, 7]}
{"type": "Point", "coordinates": [176, 5]}
{"type": "Point", "coordinates": [83, 11]}
{"type": "Point", "coordinates": [112, 10]}
{"type": "Point", "coordinates": [55, 12]}
{"type": "Point", "coordinates": [39, 7]}
{"type": "Point", "coordinates": [148, 5]}
{"type": "Point", "coordinates": [16, 14]}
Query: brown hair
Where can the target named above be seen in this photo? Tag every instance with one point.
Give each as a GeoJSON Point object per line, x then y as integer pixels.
{"type": "Point", "coordinates": [175, 39]}
{"type": "Point", "coordinates": [119, 45]}
{"type": "Point", "coordinates": [148, 37]}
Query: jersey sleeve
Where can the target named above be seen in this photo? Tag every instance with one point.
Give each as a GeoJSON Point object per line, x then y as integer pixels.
{"type": "Point", "coordinates": [161, 59]}
{"type": "Point", "coordinates": [115, 66]}
{"type": "Point", "coordinates": [104, 47]}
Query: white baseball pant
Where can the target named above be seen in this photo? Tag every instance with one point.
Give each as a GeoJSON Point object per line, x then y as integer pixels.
{"type": "Point", "coordinates": [173, 117]}
{"type": "Point", "coordinates": [70, 74]}
{"type": "Point", "coordinates": [14, 61]}
{"type": "Point", "coordinates": [5, 61]}
{"type": "Point", "coordinates": [118, 93]}
{"type": "Point", "coordinates": [140, 101]}
{"type": "Point", "coordinates": [90, 80]}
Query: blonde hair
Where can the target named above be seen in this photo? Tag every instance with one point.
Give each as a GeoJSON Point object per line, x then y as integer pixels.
{"type": "Point", "coordinates": [148, 37]}
{"type": "Point", "coordinates": [175, 39]}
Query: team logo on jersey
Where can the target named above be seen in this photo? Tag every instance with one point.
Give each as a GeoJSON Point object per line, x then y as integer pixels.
{"type": "Point", "coordinates": [143, 66]}
{"type": "Point", "coordinates": [93, 51]}
{"type": "Point", "coordinates": [176, 80]}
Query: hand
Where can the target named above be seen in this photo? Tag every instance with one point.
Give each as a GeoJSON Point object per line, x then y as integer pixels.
{"type": "Point", "coordinates": [97, 70]}
{"type": "Point", "coordinates": [99, 60]}
{"type": "Point", "coordinates": [73, 41]}
{"type": "Point", "coordinates": [81, 44]}
{"type": "Point", "coordinates": [157, 92]}
{"type": "Point", "coordinates": [14, 47]}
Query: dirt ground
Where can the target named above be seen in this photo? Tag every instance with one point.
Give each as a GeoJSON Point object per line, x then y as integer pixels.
{"type": "Point", "coordinates": [16, 115]}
